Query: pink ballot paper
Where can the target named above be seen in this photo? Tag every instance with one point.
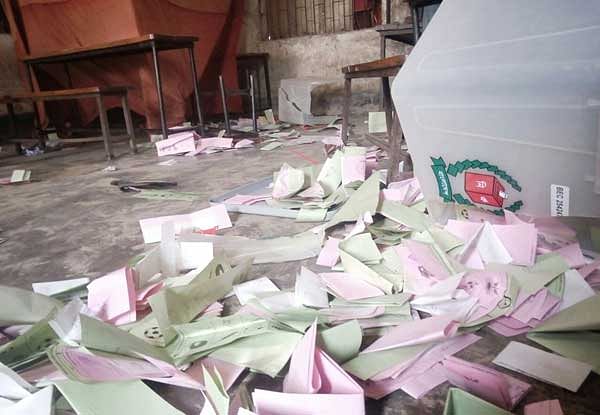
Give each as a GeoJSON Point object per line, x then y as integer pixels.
{"type": "Point", "coordinates": [487, 383]}
{"type": "Point", "coordinates": [416, 332]}
{"type": "Point", "coordinates": [315, 384]}
{"type": "Point", "coordinates": [112, 297]}
{"type": "Point", "coordinates": [544, 408]}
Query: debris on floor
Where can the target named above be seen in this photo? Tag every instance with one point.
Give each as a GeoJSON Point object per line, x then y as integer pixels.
{"type": "Point", "coordinates": [17, 177]}
{"type": "Point", "coordinates": [393, 296]}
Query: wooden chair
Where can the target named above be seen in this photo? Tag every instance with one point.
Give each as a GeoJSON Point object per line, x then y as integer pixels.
{"type": "Point", "coordinates": [384, 69]}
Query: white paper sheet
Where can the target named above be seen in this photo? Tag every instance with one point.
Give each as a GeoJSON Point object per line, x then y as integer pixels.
{"type": "Point", "coordinates": [544, 366]}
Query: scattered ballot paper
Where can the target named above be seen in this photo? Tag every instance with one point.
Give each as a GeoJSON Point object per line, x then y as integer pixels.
{"type": "Point", "coordinates": [213, 217]}
{"type": "Point", "coordinates": [544, 408]}
{"type": "Point", "coordinates": [493, 386]}
{"type": "Point", "coordinates": [544, 366]}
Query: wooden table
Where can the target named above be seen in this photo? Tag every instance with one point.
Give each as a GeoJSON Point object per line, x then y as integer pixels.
{"type": "Point", "coordinates": [152, 43]}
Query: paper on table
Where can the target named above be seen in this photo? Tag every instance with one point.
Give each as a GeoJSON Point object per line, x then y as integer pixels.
{"type": "Point", "coordinates": [24, 307]}
{"type": "Point", "coordinates": [415, 332]}
{"type": "Point", "coordinates": [488, 287]}
{"type": "Point", "coordinates": [460, 402]}
{"type": "Point", "coordinates": [192, 255]}
{"type": "Point", "coordinates": [303, 376]}
{"type": "Point", "coordinates": [267, 353]}
{"type": "Point", "coordinates": [426, 256]}
{"type": "Point", "coordinates": [250, 289]}
{"type": "Point", "coordinates": [211, 217]}
{"type": "Point", "coordinates": [544, 366]}
{"type": "Point", "coordinates": [309, 290]}
{"type": "Point", "coordinates": [544, 408]}
{"type": "Point", "coordinates": [112, 297]}
{"type": "Point", "coordinates": [51, 288]}
{"type": "Point", "coordinates": [329, 255]}
{"type": "Point", "coordinates": [114, 398]}
{"type": "Point", "coordinates": [39, 403]}
{"type": "Point", "coordinates": [348, 286]}
{"type": "Point", "coordinates": [576, 289]}
{"type": "Point", "coordinates": [341, 342]}
{"type": "Point", "coordinates": [501, 389]}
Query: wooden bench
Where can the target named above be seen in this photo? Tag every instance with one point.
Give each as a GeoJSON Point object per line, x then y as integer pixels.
{"type": "Point", "coordinates": [384, 69]}
{"type": "Point", "coordinates": [98, 93]}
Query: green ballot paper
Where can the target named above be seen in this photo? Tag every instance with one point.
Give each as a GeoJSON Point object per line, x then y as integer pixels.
{"type": "Point", "coordinates": [109, 398]}
{"type": "Point", "coordinates": [459, 402]}
{"type": "Point", "coordinates": [573, 332]}
{"type": "Point", "coordinates": [210, 332]}
{"type": "Point", "coordinates": [24, 307]}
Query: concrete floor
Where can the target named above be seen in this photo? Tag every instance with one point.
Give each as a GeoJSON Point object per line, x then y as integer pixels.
{"type": "Point", "coordinates": [71, 222]}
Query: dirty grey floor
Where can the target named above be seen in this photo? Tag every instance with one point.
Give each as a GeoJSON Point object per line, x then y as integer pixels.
{"type": "Point", "coordinates": [71, 222]}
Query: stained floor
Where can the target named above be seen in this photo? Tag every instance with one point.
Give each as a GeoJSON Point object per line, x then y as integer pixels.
{"type": "Point", "coordinates": [72, 222]}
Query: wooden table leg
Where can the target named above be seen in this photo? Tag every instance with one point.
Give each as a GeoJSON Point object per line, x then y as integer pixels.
{"type": "Point", "coordinates": [105, 127]}
{"type": "Point", "coordinates": [129, 124]}
{"type": "Point", "coordinates": [387, 103]}
{"type": "Point", "coordinates": [346, 110]}
{"type": "Point", "coordinates": [224, 103]}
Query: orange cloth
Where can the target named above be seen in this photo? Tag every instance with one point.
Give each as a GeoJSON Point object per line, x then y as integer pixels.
{"type": "Point", "coordinates": [50, 25]}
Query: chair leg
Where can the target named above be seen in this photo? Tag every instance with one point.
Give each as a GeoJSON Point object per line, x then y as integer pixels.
{"type": "Point", "coordinates": [104, 125]}
{"type": "Point", "coordinates": [387, 103]}
{"type": "Point", "coordinates": [224, 102]}
{"type": "Point", "coordinates": [129, 124]}
{"type": "Point", "coordinates": [346, 110]}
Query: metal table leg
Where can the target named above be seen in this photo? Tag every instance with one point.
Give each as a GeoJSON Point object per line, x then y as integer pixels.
{"type": "Point", "coordinates": [196, 92]}
{"type": "Point", "coordinates": [253, 104]}
{"type": "Point", "coordinates": [267, 83]}
{"type": "Point", "coordinates": [161, 107]}
{"type": "Point", "coordinates": [224, 103]}
{"type": "Point", "coordinates": [346, 110]}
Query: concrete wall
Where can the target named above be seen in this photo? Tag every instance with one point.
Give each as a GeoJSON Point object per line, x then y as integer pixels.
{"type": "Point", "coordinates": [322, 56]}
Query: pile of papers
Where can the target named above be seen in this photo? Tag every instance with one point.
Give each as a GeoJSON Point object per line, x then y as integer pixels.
{"type": "Point", "coordinates": [392, 298]}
